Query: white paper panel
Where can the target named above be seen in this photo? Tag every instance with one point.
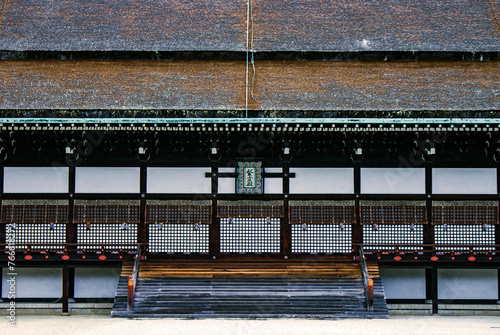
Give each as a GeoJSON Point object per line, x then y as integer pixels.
{"type": "Point", "coordinates": [464, 181]}
{"type": "Point", "coordinates": [107, 180]}
{"type": "Point", "coordinates": [227, 185]}
{"type": "Point", "coordinates": [392, 181]}
{"type": "Point", "coordinates": [273, 185]}
{"type": "Point", "coordinates": [34, 283]}
{"type": "Point", "coordinates": [403, 283]}
{"type": "Point", "coordinates": [322, 180]}
{"type": "Point", "coordinates": [468, 284]}
{"type": "Point", "coordinates": [96, 283]}
{"type": "Point", "coordinates": [35, 180]}
{"type": "Point", "coordinates": [178, 180]}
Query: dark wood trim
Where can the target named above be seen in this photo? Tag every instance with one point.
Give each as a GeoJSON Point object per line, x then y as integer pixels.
{"type": "Point", "coordinates": [428, 228]}
{"type": "Point", "coordinates": [431, 287]}
{"type": "Point", "coordinates": [497, 227]}
{"type": "Point", "coordinates": [71, 274]}
{"type": "Point", "coordinates": [452, 197]}
{"type": "Point", "coordinates": [65, 288]}
{"type": "Point", "coordinates": [214, 230]}
{"type": "Point", "coordinates": [286, 229]}
{"type": "Point", "coordinates": [2, 225]}
{"type": "Point", "coordinates": [71, 229]}
{"type": "Point", "coordinates": [357, 229]}
{"type": "Point", "coordinates": [142, 228]}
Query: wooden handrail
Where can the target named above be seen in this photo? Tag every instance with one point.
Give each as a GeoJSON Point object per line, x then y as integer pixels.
{"type": "Point", "coordinates": [132, 280]}
{"type": "Point", "coordinates": [367, 280]}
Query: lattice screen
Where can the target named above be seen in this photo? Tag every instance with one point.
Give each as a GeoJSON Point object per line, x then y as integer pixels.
{"type": "Point", "coordinates": [107, 233]}
{"type": "Point", "coordinates": [463, 234]}
{"type": "Point", "coordinates": [321, 238]}
{"type": "Point", "coordinates": [321, 212]}
{"type": "Point", "coordinates": [39, 235]}
{"type": "Point", "coordinates": [178, 238]}
{"type": "Point", "coordinates": [465, 212]}
{"type": "Point", "coordinates": [390, 234]}
{"type": "Point", "coordinates": [250, 235]}
{"type": "Point", "coordinates": [34, 211]}
{"type": "Point", "coordinates": [392, 212]}
{"type": "Point", "coordinates": [179, 211]}
{"type": "Point", "coordinates": [250, 209]}
{"type": "Point", "coordinates": [106, 211]}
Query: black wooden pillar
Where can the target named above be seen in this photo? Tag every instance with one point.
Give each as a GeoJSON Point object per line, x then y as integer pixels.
{"type": "Point", "coordinates": [431, 287]}
{"type": "Point", "coordinates": [497, 226]}
{"type": "Point", "coordinates": [357, 230]}
{"type": "Point", "coordinates": [428, 228]}
{"type": "Point", "coordinates": [2, 225]}
{"type": "Point", "coordinates": [65, 287]}
{"type": "Point", "coordinates": [71, 278]}
{"type": "Point", "coordinates": [214, 231]}
{"type": "Point", "coordinates": [142, 228]}
{"type": "Point", "coordinates": [286, 229]}
{"type": "Point", "coordinates": [71, 229]}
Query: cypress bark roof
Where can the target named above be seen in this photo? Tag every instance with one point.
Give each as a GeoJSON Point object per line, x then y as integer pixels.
{"type": "Point", "coordinates": [278, 85]}
{"type": "Point", "coordinates": [220, 25]}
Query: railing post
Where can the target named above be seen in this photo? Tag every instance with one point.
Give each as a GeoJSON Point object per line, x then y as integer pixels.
{"type": "Point", "coordinates": [367, 280]}
{"type": "Point", "coordinates": [132, 281]}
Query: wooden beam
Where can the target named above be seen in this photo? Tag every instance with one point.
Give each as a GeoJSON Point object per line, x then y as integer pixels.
{"type": "Point", "coordinates": [357, 229]}
{"type": "Point", "coordinates": [431, 287]}
{"type": "Point", "coordinates": [3, 226]}
{"type": "Point", "coordinates": [214, 230]}
{"type": "Point", "coordinates": [65, 293]}
{"type": "Point", "coordinates": [428, 228]}
{"type": "Point", "coordinates": [71, 229]}
{"type": "Point", "coordinates": [286, 229]}
{"type": "Point", "coordinates": [497, 226]}
{"type": "Point", "coordinates": [142, 228]}
{"type": "Point", "coordinates": [71, 278]}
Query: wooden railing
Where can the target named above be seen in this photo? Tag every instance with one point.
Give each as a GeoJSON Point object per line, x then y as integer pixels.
{"type": "Point", "coordinates": [132, 281]}
{"type": "Point", "coordinates": [367, 280]}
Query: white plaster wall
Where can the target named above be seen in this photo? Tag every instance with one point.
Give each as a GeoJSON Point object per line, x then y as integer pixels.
{"type": "Point", "coordinates": [107, 180]}
{"type": "Point", "coordinates": [273, 185]}
{"type": "Point", "coordinates": [35, 180]}
{"type": "Point", "coordinates": [96, 283]}
{"type": "Point", "coordinates": [464, 181]}
{"type": "Point", "coordinates": [403, 283]}
{"type": "Point", "coordinates": [34, 283]}
{"type": "Point", "coordinates": [392, 181]}
{"type": "Point", "coordinates": [178, 180]}
{"type": "Point", "coordinates": [322, 180]}
{"type": "Point", "coordinates": [468, 284]}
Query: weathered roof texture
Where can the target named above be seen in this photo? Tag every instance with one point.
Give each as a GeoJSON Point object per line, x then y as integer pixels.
{"type": "Point", "coordinates": [220, 25]}
{"type": "Point", "coordinates": [216, 85]}
{"type": "Point", "coordinates": [151, 25]}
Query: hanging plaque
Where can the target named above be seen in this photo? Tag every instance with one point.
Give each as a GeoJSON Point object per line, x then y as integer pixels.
{"type": "Point", "coordinates": [249, 178]}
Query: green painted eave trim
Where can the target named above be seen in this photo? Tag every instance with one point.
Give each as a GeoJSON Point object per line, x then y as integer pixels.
{"type": "Point", "coordinates": [290, 121]}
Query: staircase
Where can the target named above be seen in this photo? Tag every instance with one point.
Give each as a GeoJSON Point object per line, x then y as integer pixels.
{"type": "Point", "coordinates": [232, 288]}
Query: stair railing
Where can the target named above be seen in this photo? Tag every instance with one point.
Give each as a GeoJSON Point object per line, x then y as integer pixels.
{"type": "Point", "coordinates": [132, 280]}
{"type": "Point", "coordinates": [367, 280]}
